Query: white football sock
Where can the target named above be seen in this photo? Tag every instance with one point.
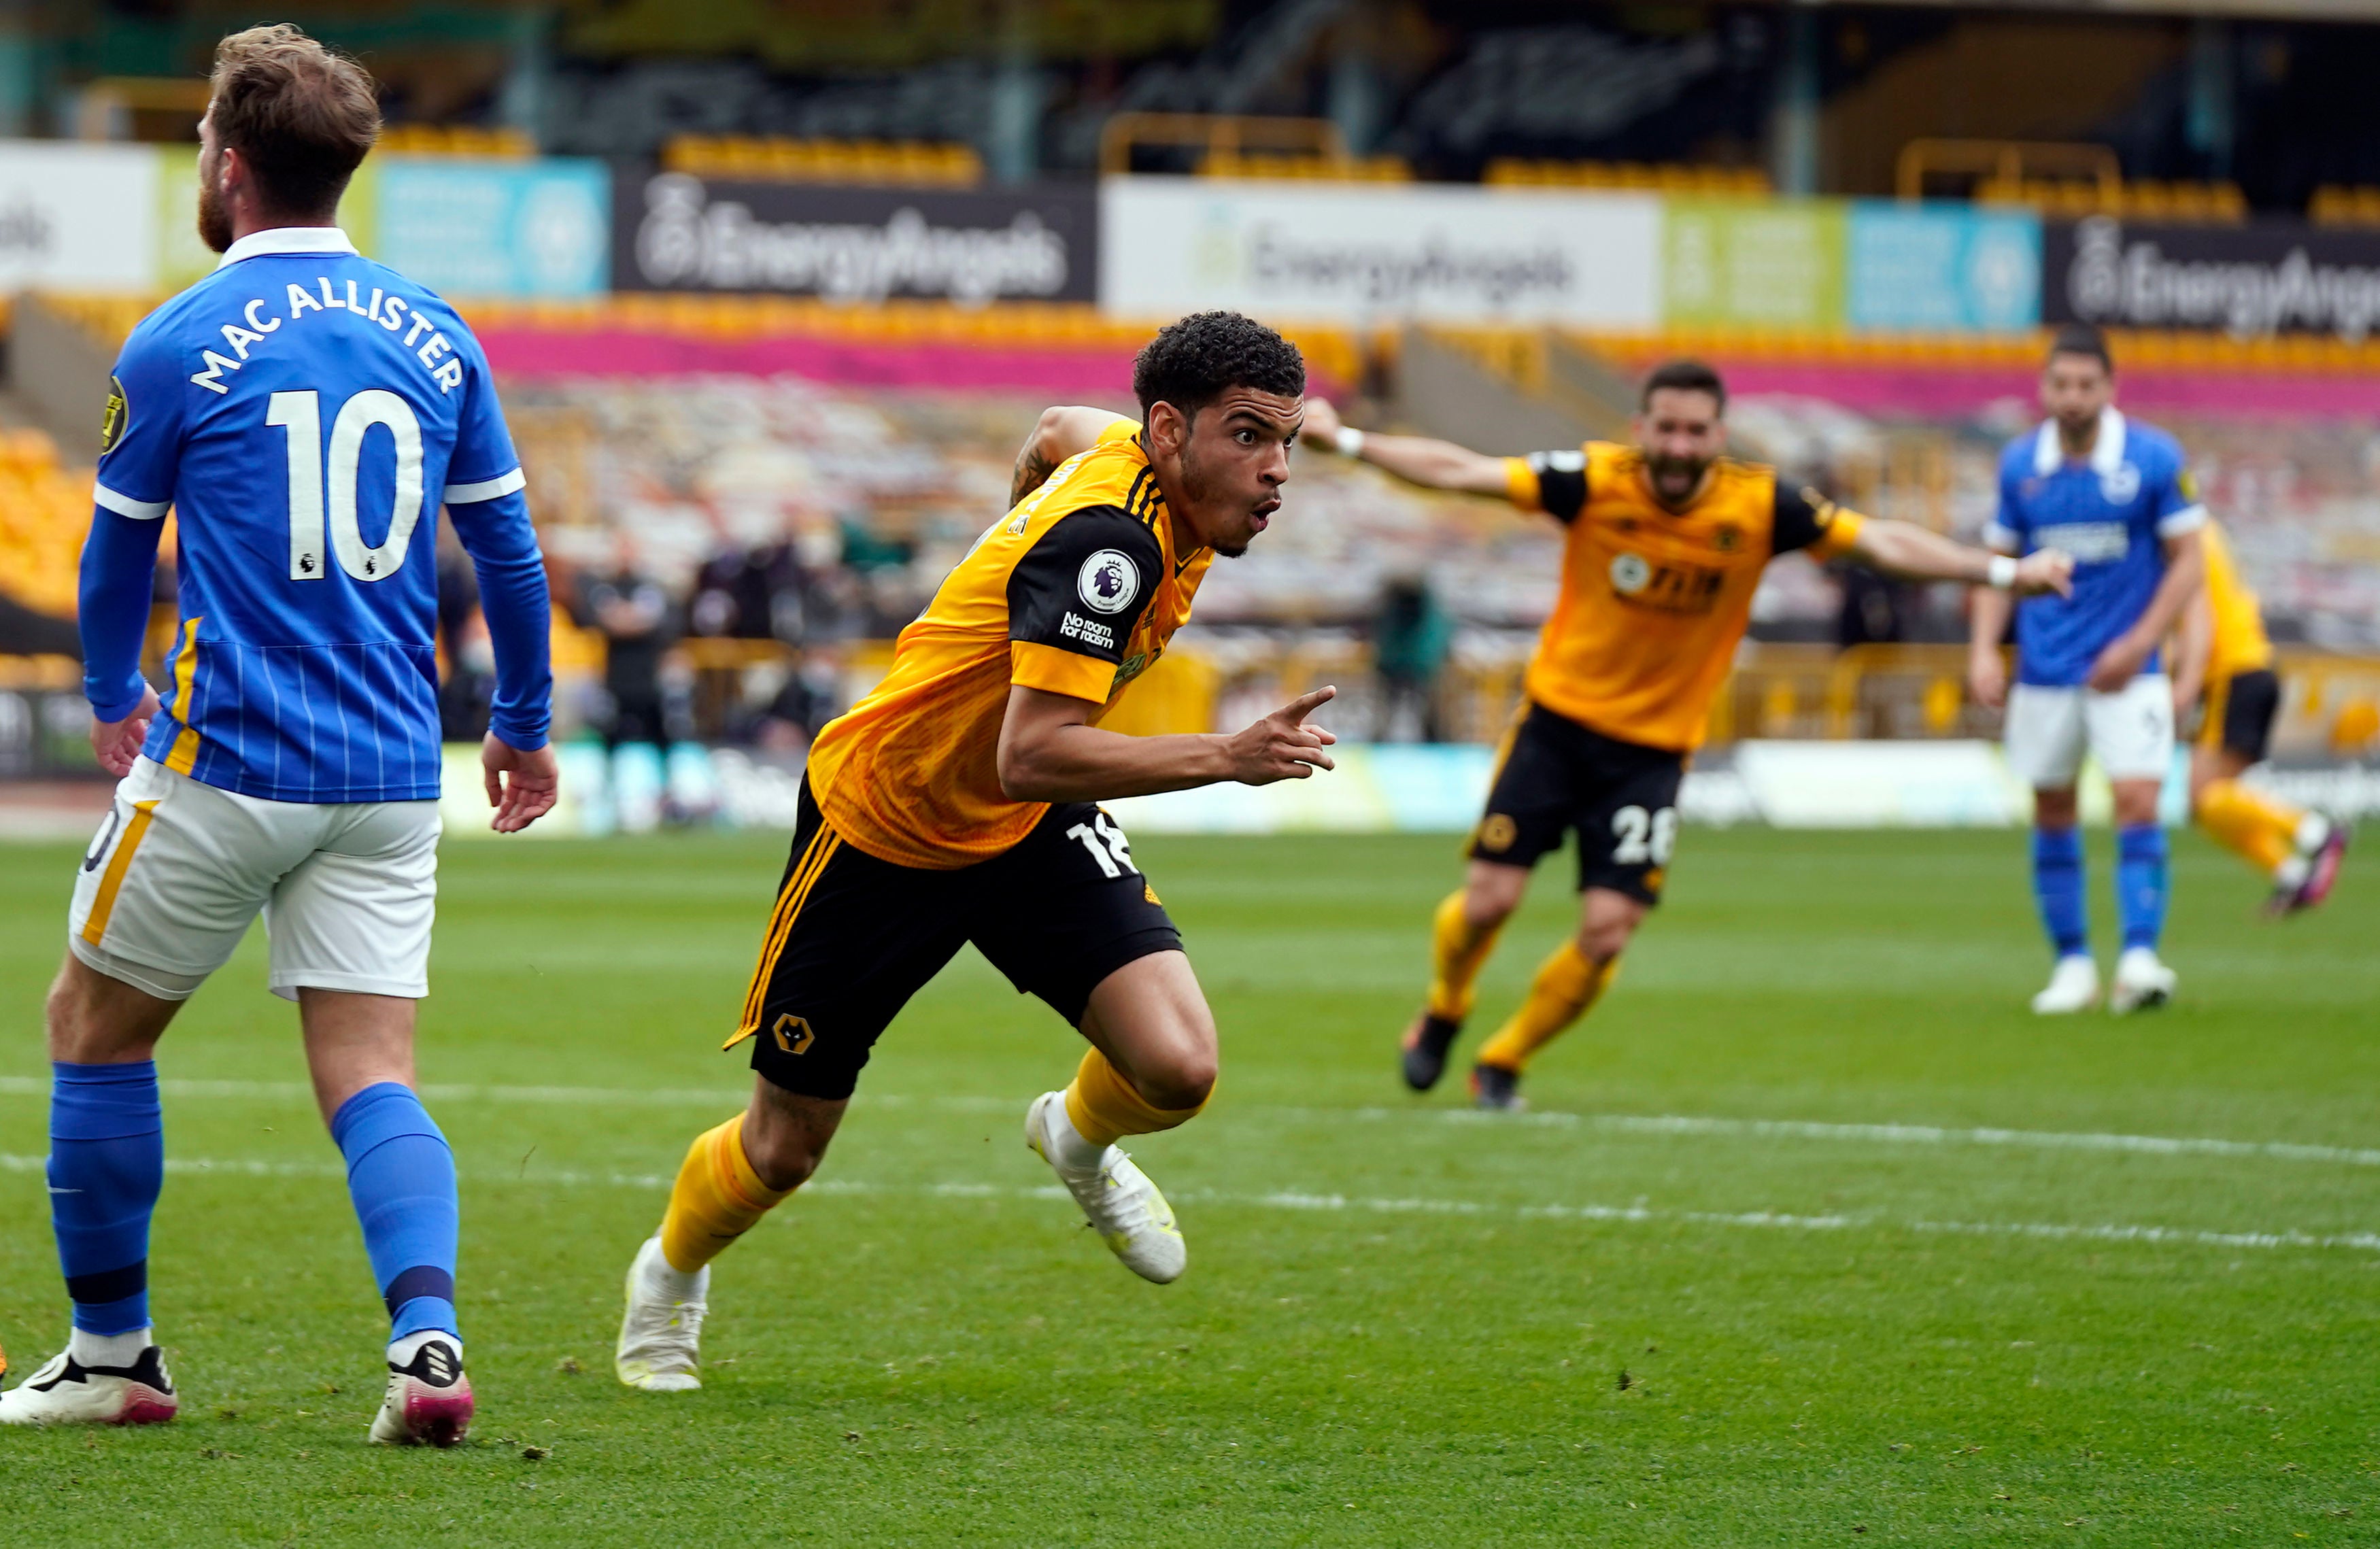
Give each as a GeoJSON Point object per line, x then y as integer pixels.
{"type": "Point", "coordinates": [1069, 1152]}
{"type": "Point", "coordinates": [402, 1351]}
{"type": "Point", "coordinates": [666, 1280]}
{"type": "Point", "coordinates": [107, 1349]}
{"type": "Point", "coordinates": [2314, 832]}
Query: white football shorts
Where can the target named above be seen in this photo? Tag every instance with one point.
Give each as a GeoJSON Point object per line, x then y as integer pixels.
{"type": "Point", "coordinates": [2130, 732]}
{"type": "Point", "coordinates": [179, 869]}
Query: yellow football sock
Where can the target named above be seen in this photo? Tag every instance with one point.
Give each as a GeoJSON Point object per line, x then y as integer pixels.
{"type": "Point", "coordinates": [1566, 985]}
{"type": "Point", "coordinates": [717, 1199]}
{"type": "Point", "coordinates": [1458, 950]}
{"type": "Point", "coordinates": [2248, 822]}
{"type": "Point", "coordinates": [1104, 1107]}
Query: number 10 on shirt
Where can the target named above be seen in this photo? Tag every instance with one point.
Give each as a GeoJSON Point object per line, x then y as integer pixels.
{"type": "Point", "coordinates": [301, 414]}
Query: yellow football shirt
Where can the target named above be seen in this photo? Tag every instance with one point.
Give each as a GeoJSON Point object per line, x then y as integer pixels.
{"type": "Point", "coordinates": [1075, 591]}
{"type": "Point", "coordinates": [1652, 600]}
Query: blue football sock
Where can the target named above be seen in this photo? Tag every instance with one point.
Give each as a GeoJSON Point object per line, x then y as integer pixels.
{"type": "Point", "coordinates": [401, 1176]}
{"type": "Point", "coordinates": [2140, 884]}
{"type": "Point", "coordinates": [2057, 888]}
{"type": "Point", "coordinates": [107, 1162]}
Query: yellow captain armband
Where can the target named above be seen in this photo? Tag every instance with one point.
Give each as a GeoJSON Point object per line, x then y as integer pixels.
{"type": "Point", "coordinates": [1838, 532]}
{"type": "Point", "coordinates": [1521, 484]}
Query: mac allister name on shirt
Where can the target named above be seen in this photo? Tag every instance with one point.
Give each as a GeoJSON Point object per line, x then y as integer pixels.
{"type": "Point", "coordinates": [429, 345]}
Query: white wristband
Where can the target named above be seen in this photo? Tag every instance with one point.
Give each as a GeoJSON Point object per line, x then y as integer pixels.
{"type": "Point", "coordinates": [2001, 572]}
{"type": "Point", "coordinates": [1349, 442]}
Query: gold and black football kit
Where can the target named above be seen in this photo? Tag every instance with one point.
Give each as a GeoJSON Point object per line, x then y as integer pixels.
{"type": "Point", "coordinates": [1644, 631]}
{"type": "Point", "coordinates": [2243, 694]}
{"type": "Point", "coordinates": [907, 849]}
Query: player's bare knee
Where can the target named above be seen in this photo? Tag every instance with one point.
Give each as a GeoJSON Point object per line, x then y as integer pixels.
{"type": "Point", "coordinates": [1491, 894]}
{"type": "Point", "coordinates": [1182, 1078]}
{"type": "Point", "coordinates": [785, 1134]}
{"type": "Point", "coordinates": [2054, 809]}
{"type": "Point", "coordinates": [1602, 940]}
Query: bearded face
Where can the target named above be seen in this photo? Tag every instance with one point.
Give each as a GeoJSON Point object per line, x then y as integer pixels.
{"type": "Point", "coordinates": [215, 218]}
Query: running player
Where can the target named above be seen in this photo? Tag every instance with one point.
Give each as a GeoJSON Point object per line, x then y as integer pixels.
{"type": "Point", "coordinates": [1666, 543]}
{"type": "Point", "coordinates": [2223, 670]}
{"type": "Point", "coordinates": [954, 805]}
{"type": "Point", "coordinates": [305, 411]}
{"type": "Point", "coordinates": [2115, 495]}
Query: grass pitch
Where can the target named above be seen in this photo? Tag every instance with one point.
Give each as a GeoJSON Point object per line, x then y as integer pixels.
{"type": "Point", "coordinates": [1814, 1233]}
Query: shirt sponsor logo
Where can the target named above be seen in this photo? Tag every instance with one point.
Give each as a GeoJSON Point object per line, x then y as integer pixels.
{"type": "Point", "coordinates": [1671, 589]}
{"type": "Point", "coordinates": [1090, 632]}
{"type": "Point", "coordinates": [1108, 582]}
{"type": "Point", "coordinates": [2089, 542]}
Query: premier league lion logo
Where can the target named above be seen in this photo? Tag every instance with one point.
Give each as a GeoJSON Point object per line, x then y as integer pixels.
{"type": "Point", "coordinates": [1108, 582]}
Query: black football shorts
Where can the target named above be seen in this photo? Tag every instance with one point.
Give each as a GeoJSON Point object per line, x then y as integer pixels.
{"type": "Point", "coordinates": [852, 938]}
{"type": "Point", "coordinates": [1621, 797]}
{"type": "Point", "coordinates": [2240, 710]}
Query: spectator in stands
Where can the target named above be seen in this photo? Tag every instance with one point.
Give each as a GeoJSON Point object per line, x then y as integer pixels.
{"type": "Point", "coordinates": [634, 613]}
{"type": "Point", "coordinates": [1411, 638]}
{"type": "Point", "coordinates": [751, 594]}
{"type": "Point", "coordinates": [811, 696]}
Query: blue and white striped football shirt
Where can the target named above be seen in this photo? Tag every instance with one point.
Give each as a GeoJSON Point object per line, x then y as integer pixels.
{"type": "Point", "coordinates": [305, 412]}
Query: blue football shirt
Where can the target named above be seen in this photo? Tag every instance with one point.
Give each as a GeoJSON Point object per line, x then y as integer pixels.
{"type": "Point", "coordinates": [305, 411]}
{"type": "Point", "coordinates": [2112, 513]}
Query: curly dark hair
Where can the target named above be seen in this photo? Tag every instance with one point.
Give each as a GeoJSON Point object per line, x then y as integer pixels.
{"type": "Point", "coordinates": [1193, 362]}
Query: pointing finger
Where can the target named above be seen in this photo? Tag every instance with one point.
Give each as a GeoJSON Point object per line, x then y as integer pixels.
{"type": "Point", "coordinates": [1306, 704]}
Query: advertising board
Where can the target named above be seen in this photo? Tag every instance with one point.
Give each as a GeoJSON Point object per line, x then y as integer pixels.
{"type": "Point", "coordinates": [495, 228]}
{"type": "Point", "coordinates": [1754, 263]}
{"type": "Point", "coordinates": [1362, 254]}
{"type": "Point", "coordinates": [77, 217]}
{"type": "Point", "coordinates": [679, 232]}
{"type": "Point", "coordinates": [1942, 268]}
{"type": "Point", "coordinates": [2248, 280]}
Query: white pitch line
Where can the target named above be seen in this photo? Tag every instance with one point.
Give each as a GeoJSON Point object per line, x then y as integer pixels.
{"type": "Point", "coordinates": [1621, 1124]}
{"type": "Point", "coordinates": [1764, 1220]}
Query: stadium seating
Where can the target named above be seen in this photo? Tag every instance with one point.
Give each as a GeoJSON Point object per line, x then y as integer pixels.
{"type": "Point", "coordinates": [2137, 199]}
{"type": "Point", "coordinates": [2332, 205]}
{"type": "Point", "coordinates": [45, 512]}
{"type": "Point", "coordinates": [459, 139]}
{"type": "Point", "coordinates": [1663, 178]}
{"type": "Point", "coordinates": [776, 158]}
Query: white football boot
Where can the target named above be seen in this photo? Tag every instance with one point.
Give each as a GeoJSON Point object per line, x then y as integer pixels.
{"type": "Point", "coordinates": [429, 1399]}
{"type": "Point", "coordinates": [2073, 987]}
{"type": "Point", "coordinates": [66, 1392]}
{"type": "Point", "coordinates": [1123, 1205]}
{"type": "Point", "coordinates": [661, 1332]}
{"type": "Point", "coordinates": [2142, 983]}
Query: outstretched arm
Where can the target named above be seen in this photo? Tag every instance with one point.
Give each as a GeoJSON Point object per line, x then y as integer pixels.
{"type": "Point", "coordinates": [1061, 432]}
{"type": "Point", "coordinates": [1436, 465]}
{"type": "Point", "coordinates": [1050, 752]}
{"type": "Point", "coordinates": [1907, 549]}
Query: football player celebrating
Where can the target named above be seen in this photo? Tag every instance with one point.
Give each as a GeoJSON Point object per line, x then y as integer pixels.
{"type": "Point", "coordinates": [295, 401]}
{"type": "Point", "coordinates": [2115, 495]}
{"type": "Point", "coordinates": [2223, 670]}
{"type": "Point", "coordinates": [954, 805]}
{"type": "Point", "coordinates": [1665, 540]}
